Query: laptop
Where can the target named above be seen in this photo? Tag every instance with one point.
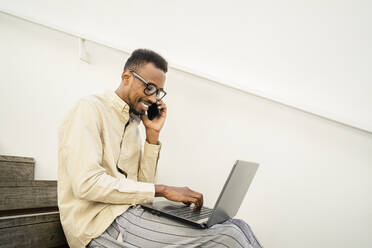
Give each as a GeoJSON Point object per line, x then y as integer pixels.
{"type": "Point", "coordinates": [226, 207]}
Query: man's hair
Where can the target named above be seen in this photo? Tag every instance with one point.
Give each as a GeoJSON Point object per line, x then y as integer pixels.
{"type": "Point", "coordinates": [141, 57]}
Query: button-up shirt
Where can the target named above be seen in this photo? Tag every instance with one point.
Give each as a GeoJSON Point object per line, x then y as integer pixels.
{"type": "Point", "coordinates": [102, 170]}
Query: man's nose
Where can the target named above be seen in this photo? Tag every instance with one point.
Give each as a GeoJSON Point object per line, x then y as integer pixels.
{"type": "Point", "coordinates": [153, 98]}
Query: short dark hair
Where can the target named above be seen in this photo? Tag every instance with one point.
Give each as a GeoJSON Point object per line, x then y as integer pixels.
{"type": "Point", "coordinates": [140, 57]}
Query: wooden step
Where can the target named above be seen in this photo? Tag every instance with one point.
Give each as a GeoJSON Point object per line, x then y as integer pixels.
{"type": "Point", "coordinates": [14, 168]}
{"type": "Point", "coordinates": [27, 194]}
{"type": "Point", "coordinates": [32, 230]}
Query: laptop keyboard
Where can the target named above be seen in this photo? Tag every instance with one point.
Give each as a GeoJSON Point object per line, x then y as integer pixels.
{"type": "Point", "coordinates": [187, 212]}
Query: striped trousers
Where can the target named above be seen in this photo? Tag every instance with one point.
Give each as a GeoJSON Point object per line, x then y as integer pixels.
{"type": "Point", "coordinates": [137, 227]}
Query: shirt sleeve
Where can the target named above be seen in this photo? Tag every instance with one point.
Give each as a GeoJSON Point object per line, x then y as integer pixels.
{"type": "Point", "coordinates": [82, 152]}
{"type": "Point", "coordinates": [149, 162]}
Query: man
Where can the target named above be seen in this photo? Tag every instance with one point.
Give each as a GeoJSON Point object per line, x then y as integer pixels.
{"type": "Point", "coordinates": [103, 173]}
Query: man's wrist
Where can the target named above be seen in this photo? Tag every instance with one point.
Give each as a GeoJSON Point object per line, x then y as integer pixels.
{"type": "Point", "coordinates": [159, 190]}
{"type": "Point", "coordinates": [152, 136]}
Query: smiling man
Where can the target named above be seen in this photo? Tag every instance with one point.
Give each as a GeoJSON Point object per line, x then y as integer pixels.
{"type": "Point", "coordinates": [105, 169]}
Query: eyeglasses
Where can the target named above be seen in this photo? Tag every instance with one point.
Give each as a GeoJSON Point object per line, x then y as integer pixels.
{"type": "Point", "coordinates": [151, 88]}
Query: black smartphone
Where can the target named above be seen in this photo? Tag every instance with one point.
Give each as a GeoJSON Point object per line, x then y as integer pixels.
{"type": "Point", "coordinates": [153, 111]}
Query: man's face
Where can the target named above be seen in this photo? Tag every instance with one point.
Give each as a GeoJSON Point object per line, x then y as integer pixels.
{"type": "Point", "coordinates": [138, 100]}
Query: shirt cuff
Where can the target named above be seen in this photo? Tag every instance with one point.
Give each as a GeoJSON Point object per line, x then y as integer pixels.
{"type": "Point", "coordinates": [145, 193]}
{"type": "Point", "coordinates": [150, 196]}
{"type": "Point", "coordinates": [152, 150]}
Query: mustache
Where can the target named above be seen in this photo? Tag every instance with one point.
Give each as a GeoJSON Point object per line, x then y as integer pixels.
{"type": "Point", "coordinates": [146, 101]}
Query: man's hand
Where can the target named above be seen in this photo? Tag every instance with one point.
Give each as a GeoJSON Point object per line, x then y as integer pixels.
{"type": "Point", "coordinates": [154, 126]}
{"type": "Point", "coordinates": [180, 194]}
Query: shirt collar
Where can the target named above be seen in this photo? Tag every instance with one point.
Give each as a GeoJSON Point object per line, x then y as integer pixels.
{"type": "Point", "coordinates": [117, 102]}
{"type": "Point", "coordinates": [120, 105]}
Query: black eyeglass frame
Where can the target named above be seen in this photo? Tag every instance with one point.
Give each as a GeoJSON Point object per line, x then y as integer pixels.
{"type": "Point", "coordinates": [147, 84]}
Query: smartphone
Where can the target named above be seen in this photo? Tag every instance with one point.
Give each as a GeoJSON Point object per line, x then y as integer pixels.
{"type": "Point", "coordinates": [153, 111]}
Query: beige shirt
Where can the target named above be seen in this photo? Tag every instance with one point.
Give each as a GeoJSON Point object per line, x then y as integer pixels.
{"type": "Point", "coordinates": [102, 171]}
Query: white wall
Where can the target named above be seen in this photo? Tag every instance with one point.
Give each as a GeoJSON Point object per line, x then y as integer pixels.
{"type": "Point", "coordinates": [315, 55]}
{"type": "Point", "coordinates": [313, 186]}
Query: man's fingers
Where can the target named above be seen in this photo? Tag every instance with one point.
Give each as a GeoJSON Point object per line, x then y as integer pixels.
{"type": "Point", "coordinates": [196, 202]}
{"type": "Point", "coordinates": [189, 200]}
{"type": "Point", "coordinates": [162, 107]}
{"type": "Point", "coordinates": [198, 196]}
{"type": "Point", "coordinates": [144, 117]}
{"type": "Point", "coordinates": [185, 195]}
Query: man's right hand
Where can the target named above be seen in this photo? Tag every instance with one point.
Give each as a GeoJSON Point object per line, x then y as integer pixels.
{"type": "Point", "coordinates": [180, 194]}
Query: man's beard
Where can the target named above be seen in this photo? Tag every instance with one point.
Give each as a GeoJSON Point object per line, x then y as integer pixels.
{"type": "Point", "coordinates": [133, 111]}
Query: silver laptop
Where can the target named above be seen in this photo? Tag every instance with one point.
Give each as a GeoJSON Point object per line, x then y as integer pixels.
{"type": "Point", "coordinates": [226, 207]}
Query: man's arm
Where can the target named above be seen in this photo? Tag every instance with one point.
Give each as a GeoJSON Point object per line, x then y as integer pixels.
{"type": "Point", "coordinates": [81, 149]}
{"type": "Point", "coordinates": [149, 160]}
{"type": "Point", "coordinates": [148, 165]}
{"type": "Point", "coordinates": [178, 194]}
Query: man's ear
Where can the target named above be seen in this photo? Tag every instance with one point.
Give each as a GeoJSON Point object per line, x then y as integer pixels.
{"type": "Point", "coordinates": [126, 77]}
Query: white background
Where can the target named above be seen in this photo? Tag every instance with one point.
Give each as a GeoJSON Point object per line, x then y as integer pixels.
{"type": "Point", "coordinates": [313, 186]}
{"type": "Point", "coordinates": [314, 55]}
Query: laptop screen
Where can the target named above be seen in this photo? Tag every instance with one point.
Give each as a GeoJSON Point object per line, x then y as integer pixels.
{"type": "Point", "coordinates": [234, 190]}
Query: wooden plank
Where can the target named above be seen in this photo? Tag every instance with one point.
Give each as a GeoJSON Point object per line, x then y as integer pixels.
{"type": "Point", "coordinates": [16, 159]}
{"type": "Point", "coordinates": [31, 194]}
{"type": "Point", "coordinates": [16, 168]}
{"type": "Point", "coordinates": [40, 229]}
{"type": "Point", "coordinates": [18, 212]}
{"type": "Point", "coordinates": [10, 171]}
{"type": "Point", "coordinates": [28, 219]}
{"type": "Point", "coordinates": [34, 183]}
{"type": "Point", "coordinates": [46, 234]}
